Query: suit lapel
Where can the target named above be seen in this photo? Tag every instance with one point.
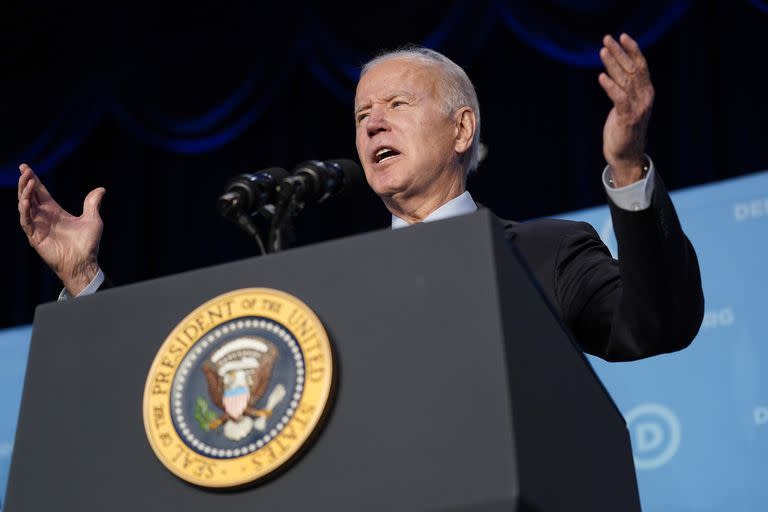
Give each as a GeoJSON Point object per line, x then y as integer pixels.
{"type": "Point", "coordinates": [510, 226]}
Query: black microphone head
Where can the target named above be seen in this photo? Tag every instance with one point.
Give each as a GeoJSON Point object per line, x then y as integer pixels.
{"type": "Point", "coordinates": [354, 177]}
{"type": "Point", "coordinates": [314, 181]}
{"type": "Point", "coordinates": [246, 193]}
{"type": "Point", "coordinates": [323, 179]}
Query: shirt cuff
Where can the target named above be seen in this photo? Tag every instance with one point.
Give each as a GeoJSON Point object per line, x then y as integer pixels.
{"type": "Point", "coordinates": [92, 287]}
{"type": "Point", "coordinates": [634, 197]}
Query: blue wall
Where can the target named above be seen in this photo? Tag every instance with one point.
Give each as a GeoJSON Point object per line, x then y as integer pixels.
{"type": "Point", "coordinates": [699, 418]}
{"type": "Point", "coordinates": [14, 345]}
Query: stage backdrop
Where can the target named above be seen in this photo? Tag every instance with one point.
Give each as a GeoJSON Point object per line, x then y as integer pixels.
{"type": "Point", "coordinates": [699, 418]}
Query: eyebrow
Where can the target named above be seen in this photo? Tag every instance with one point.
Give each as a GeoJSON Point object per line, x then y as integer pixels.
{"type": "Point", "coordinates": [389, 97]}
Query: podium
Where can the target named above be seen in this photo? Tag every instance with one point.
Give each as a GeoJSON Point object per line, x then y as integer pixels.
{"type": "Point", "coordinates": [458, 388]}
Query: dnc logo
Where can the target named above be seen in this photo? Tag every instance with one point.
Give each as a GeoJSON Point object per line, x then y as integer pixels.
{"type": "Point", "coordinates": [655, 433]}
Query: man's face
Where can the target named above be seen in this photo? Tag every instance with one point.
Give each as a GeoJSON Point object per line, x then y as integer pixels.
{"type": "Point", "coordinates": [405, 140]}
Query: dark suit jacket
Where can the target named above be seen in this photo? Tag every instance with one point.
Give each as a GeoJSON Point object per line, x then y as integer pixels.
{"type": "Point", "coordinates": [648, 302]}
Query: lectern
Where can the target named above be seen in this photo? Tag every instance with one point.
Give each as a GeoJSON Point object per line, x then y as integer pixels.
{"type": "Point", "coordinates": [457, 388]}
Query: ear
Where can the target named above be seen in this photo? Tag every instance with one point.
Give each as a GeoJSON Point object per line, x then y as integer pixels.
{"type": "Point", "coordinates": [465, 126]}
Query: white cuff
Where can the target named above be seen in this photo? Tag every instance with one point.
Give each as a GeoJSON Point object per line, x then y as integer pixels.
{"type": "Point", "coordinates": [634, 197]}
{"type": "Point", "coordinates": [97, 280]}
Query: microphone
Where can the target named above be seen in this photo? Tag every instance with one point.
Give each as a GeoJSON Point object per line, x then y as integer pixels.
{"type": "Point", "coordinates": [247, 193]}
{"type": "Point", "coordinates": [278, 195]}
{"type": "Point", "coordinates": [314, 181]}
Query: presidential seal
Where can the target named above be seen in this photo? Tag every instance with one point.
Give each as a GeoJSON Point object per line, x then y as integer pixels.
{"type": "Point", "coordinates": [238, 387]}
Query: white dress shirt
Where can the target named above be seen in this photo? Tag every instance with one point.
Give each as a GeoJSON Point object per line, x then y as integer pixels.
{"type": "Point", "coordinates": [91, 288]}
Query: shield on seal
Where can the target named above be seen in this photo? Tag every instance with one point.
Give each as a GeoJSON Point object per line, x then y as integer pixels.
{"type": "Point", "coordinates": [235, 401]}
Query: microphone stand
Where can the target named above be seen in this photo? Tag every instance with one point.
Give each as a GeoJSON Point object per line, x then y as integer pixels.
{"type": "Point", "coordinates": [313, 181]}
{"type": "Point", "coordinates": [286, 206]}
{"type": "Point", "coordinates": [246, 223]}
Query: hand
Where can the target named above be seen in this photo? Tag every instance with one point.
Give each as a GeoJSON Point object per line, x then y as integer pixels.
{"type": "Point", "coordinates": [628, 84]}
{"type": "Point", "coordinates": [68, 244]}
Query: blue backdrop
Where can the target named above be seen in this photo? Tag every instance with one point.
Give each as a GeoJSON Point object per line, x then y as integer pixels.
{"type": "Point", "coordinates": [14, 345]}
{"type": "Point", "coordinates": [698, 418]}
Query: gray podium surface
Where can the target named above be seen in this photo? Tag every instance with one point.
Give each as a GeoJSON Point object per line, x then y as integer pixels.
{"type": "Point", "coordinates": [458, 388]}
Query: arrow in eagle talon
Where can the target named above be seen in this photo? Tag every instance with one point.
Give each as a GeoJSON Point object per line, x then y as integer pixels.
{"type": "Point", "coordinates": [218, 422]}
{"type": "Point", "coordinates": [275, 398]}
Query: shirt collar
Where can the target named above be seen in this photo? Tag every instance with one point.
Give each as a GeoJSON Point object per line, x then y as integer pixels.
{"type": "Point", "coordinates": [459, 205]}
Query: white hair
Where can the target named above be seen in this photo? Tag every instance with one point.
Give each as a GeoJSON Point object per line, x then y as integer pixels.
{"type": "Point", "coordinates": [457, 89]}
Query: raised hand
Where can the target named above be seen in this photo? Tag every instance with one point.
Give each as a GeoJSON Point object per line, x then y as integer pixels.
{"type": "Point", "coordinates": [68, 244]}
{"type": "Point", "coordinates": [628, 84]}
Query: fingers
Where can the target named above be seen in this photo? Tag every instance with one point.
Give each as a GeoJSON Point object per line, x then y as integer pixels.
{"type": "Point", "coordinates": [624, 61]}
{"type": "Point", "coordinates": [617, 52]}
{"type": "Point", "coordinates": [615, 71]}
{"type": "Point", "coordinates": [27, 193]}
{"type": "Point", "coordinates": [633, 51]}
{"type": "Point", "coordinates": [626, 69]}
{"type": "Point", "coordinates": [40, 193]}
{"type": "Point", "coordinates": [25, 208]}
{"type": "Point", "coordinates": [26, 174]}
{"type": "Point", "coordinates": [25, 218]}
{"type": "Point", "coordinates": [617, 95]}
{"type": "Point", "coordinates": [92, 202]}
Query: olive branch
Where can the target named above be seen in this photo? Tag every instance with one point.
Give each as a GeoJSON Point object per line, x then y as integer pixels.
{"type": "Point", "coordinates": [203, 414]}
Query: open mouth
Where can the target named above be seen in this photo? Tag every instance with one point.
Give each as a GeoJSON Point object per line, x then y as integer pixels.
{"type": "Point", "coordinates": [385, 154]}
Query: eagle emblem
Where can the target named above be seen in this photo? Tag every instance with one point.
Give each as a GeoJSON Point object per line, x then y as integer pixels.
{"type": "Point", "coordinates": [238, 376]}
{"type": "Point", "coordinates": [231, 395]}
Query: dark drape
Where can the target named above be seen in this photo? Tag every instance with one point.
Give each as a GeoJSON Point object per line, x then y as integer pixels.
{"type": "Point", "coordinates": [160, 104]}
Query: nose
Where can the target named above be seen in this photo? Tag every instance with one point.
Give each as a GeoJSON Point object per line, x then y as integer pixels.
{"type": "Point", "coordinates": [377, 121]}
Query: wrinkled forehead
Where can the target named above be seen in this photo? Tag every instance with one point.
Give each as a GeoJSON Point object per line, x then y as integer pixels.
{"type": "Point", "coordinates": [400, 75]}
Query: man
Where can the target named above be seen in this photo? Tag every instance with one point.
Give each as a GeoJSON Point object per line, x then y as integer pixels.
{"type": "Point", "coordinates": [417, 134]}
